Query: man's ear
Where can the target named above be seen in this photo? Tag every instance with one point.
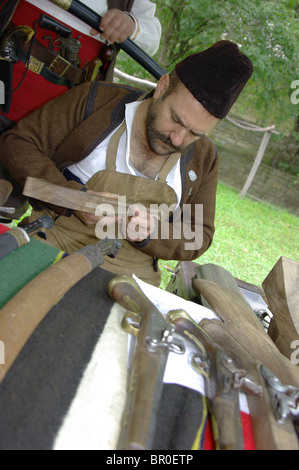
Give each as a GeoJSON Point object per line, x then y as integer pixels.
{"type": "Point", "coordinates": [162, 86]}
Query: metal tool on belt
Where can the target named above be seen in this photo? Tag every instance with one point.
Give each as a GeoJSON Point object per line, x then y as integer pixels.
{"type": "Point", "coordinates": [20, 236]}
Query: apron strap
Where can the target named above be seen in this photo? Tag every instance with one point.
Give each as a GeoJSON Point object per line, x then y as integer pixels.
{"type": "Point", "coordinates": [114, 141]}
{"type": "Point", "coordinates": [113, 146]}
{"type": "Point", "coordinates": [168, 166]}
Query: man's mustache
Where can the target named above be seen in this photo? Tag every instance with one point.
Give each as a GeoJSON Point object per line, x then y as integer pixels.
{"type": "Point", "coordinates": [167, 141]}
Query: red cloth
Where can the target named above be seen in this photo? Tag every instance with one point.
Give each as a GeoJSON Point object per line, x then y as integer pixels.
{"type": "Point", "coordinates": [37, 91]}
{"type": "Point", "coordinates": [3, 228]}
{"type": "Point", "coordinates": [249, 444]}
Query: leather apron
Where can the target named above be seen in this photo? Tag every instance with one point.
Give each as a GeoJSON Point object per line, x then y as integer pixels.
{"type": "Point", "coordinates": [70, 233]}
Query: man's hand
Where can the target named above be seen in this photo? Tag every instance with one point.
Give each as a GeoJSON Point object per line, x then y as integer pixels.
{"type": "Point", "coordinates": [138, 225]}
{"type": "Point", "coordinates": [92, 219]}
{"type": "Point", "coordinates": [116, 26]}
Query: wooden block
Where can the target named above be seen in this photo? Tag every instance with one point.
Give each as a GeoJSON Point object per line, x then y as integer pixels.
{"type": "Point", "coordinates": [281, 287]}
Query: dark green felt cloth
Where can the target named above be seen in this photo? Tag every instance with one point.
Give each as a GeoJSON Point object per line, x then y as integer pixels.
{"type": "Point", "coordinates": [22, 265]}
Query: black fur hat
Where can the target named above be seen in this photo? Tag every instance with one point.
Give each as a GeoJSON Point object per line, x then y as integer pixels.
{"type": "Point", "coordinates": [216, 76]}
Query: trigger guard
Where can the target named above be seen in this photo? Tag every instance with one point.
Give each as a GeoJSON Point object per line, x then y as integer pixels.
{"type": "Point", "coordinates": [131, 323]}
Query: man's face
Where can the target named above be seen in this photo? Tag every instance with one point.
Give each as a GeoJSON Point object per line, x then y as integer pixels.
{"type": "Point", "coordinates": [175, 120]}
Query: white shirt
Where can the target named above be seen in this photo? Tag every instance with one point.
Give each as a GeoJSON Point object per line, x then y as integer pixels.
{"type": "Point", "coordinates": [96, 161]}
{"type": "Point", "coordinates": [148, 37]}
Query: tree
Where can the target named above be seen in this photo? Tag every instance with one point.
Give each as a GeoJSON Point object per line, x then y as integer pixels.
{"type": "Point", "coordinates": [187, 27]}
{"type": "Point", "coordinates": [266, 30]}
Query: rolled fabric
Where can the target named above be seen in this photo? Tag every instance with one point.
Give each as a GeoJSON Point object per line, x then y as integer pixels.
{"type": "Point", "coordinates": [12, 240]}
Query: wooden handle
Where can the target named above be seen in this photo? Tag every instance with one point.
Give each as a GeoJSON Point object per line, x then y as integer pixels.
{"type": "Point", "coordinates": [77, 200]}
{"type": "Point", "coordinates": [144, 392]}
{"type": "Point", "coordinates": [282, 292]}
{"type": "Point", "coordinates": [224, 407]}
{"type": "Point", "coordinates": [268, 433]}
{"type": "Point", "coordinates": [126, 291]}
{"type": "Point", "coordinates": [247, 329]}
{"type": "Point", "coordinates": [147, 368]}
{"type": "Point", "coordinates": [64, 197]}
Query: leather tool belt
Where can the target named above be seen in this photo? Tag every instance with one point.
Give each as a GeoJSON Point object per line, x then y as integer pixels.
{"type": "Point", "coordinates": [51, 66]}
{"type": "Point", "coordinates": [18, 41]}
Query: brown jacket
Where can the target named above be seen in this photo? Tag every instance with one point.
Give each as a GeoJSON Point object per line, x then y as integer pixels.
{"type": "Point", "coordinates": [68, 128]}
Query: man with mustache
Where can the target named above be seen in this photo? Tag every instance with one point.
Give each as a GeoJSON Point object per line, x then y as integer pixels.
{"type": "Point", "coordinates": [150, 148]}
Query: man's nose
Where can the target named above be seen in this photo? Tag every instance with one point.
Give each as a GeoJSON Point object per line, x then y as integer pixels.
{"type": "Point", "coordinates": [177, 136]}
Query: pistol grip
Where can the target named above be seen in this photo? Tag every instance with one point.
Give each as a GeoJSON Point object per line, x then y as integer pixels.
{"type": "Point", "coordinates": [126, 291]}
{"type": "Point", "coordinates": [46, 22]}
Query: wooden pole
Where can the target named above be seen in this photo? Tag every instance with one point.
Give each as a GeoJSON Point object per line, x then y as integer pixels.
{"type": "Point", "coordinates": [256, 163]}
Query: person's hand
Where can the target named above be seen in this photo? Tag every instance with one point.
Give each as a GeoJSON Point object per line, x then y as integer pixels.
{"type": "Point", "coordinates": [138, 225]}
{"type": "Point", "coordinates": [93, 219]}
{"type": "Point", "coordinates": [116, 26]}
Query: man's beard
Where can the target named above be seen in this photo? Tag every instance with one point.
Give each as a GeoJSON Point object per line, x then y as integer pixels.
{"type": "Point", "coordinates": [158, 143]}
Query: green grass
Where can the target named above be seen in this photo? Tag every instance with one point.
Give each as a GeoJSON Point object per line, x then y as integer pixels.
{"type": "Point", "coordinates": [250, 237]}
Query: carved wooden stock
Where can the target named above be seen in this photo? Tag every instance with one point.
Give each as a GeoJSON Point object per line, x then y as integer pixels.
{"type": "Point", "coordinates": [246, 328]}
{"type": "Point", "coordinates": [147, 368]}
{"type": "Point", "coordinates": [65, 197]}
{"type": "Point", "coordinates": [223, 399]}
{"type": "Point", "coordinates": [281, 287]}
{"type": "Point", "coordinates": [268, 433]}
{"type": "Point", "coordinates": [78, 200]}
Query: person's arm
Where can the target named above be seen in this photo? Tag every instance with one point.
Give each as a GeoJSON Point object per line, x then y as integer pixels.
{"type": "Point", "coordinates": [28, 148]}
{"type": "Point", "coordinates": [189, 237]}
{"type": "Point", "coordinates": [140, 25]}
{"type": "Point", "coordinates": [148, 35]}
